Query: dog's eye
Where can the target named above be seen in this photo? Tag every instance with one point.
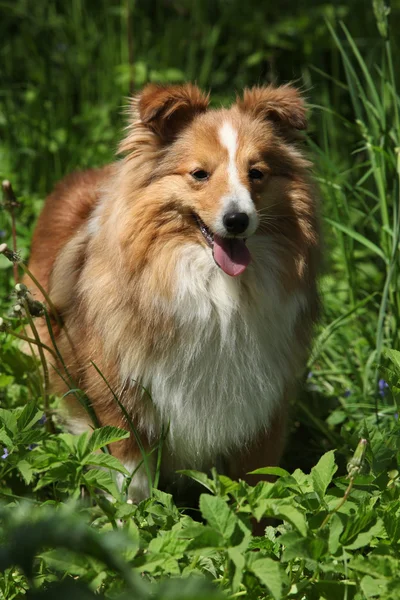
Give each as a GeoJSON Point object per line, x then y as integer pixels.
{"type": "Point", "coordinates": [256, 174]}
{"type": "Point", "coordinates": [200, 175]}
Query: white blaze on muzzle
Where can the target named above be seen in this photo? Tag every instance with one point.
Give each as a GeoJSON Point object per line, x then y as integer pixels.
{"type": "Point", "coordinates": [231, 253]}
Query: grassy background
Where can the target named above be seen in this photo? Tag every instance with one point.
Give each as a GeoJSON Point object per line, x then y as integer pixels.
{"type": "Point", "coordinates": [67, 69]}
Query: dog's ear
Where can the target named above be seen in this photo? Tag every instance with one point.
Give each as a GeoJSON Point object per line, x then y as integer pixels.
{"type": "Point", "coordinates": [283, 104]}
{"type": "Point", "coordinates": [167, 109]}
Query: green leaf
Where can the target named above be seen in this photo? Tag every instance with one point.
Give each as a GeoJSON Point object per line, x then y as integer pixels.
{"type": "Point", "coordinates": [376, 565]}
{"type": "Point", "coordinates": [323, 472]}
{"type": "Point", "coordinates": [26, 470]}
{"type": "Point", "coordinates": [101, 479]}
{"type": "Point", "coordinates": [268, 572]}
{"type": "Point", "coordinates": [200, 478]}
{"type": "Point", "coordinates": [365, 537]}
{"type": "Point", "coordinates": [55, 475]}
{"type": "Point", "coordinates": [203, 537]}
{"type": "Point", "coordinates": [295, 547]}
{"type": "Point", "coordinates": [359, 238]}
{"type": "Point", "coordinates": [373, 587]}
{"type": "Point", "coordinates": [282, 509]}
{"type": "Point", "coordinates": [165, 499]}
{"type": "Point", "coordinates": [218, 514]}
{"type": "Point", "coordinates": [168, 542]}
{"type": "Point", "coordinates": [9, 419]}
{"type": "Point", "coordinates": [70, 441]}
{"type": "Point", "coordinates": [106, 461]}
{"type": "Point", "coordinates": [394, 357]}
{"type": "Point", "coordinates": [132, 530]}
{"type": "Point", "coordinates": [238, 561]}
{"type": "Point", "coordinates": [6, 440]}
{"type": "Point", "coordinates": [5, 380]}
{"type": "Point", "coordinates": [289, 513]}
{"type": "Point", "coordinates": [335, 530]}
{"type": "Point", "coordinates": [64, 561]}
{"type": "Point", "coordinates": [83, 443]}
{"type": "Point", "coordinates": [106, 435]}
{"type": "Point", "coordinates": [277, 471]}
{"type": "Point", "coordinates": [29, 416]}
{"type": "Point", "coordinates": [334, 590]}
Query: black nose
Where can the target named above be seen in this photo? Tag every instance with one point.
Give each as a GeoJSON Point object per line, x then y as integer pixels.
{"type": "Point", "coordinates": [236, 222]}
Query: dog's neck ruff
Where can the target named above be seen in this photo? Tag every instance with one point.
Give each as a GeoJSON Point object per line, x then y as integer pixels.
{"type": "Point", "coordinates": [222, 379]}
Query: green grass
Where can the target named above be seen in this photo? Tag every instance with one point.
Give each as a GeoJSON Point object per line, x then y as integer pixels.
{"type": "Point", "coordinates": [335, 531]}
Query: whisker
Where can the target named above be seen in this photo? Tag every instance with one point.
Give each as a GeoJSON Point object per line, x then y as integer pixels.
{"type": "Point", "coordinates": [267, 208]}
{"type": "Point", "coordinates": [273, 216]}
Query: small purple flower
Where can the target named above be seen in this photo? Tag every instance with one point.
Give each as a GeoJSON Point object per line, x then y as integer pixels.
{"type": "Point", "coordinates": [310, 375]}
{"type": "Point", "coordinates": [42, 419]}
{"type": "Point", "coordinates": [382, 385]}
{"type": "Point", "coordinates": [396, 416]}
{"type": "Point", "coordinates": [2, 234]}
{"type": "Point", "coordinates": [5, 453]}
{"type": "Point", "coordinates": [32, 446]}
{"type": "Point", "coordinates": [347, 393]}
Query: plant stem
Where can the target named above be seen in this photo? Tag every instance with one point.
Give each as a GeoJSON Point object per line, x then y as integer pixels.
{"type": "Point", "coordinates": [46, 379]}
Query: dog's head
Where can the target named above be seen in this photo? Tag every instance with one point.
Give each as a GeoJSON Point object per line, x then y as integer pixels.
{"type": "Point", "coordinates": [223, 174]}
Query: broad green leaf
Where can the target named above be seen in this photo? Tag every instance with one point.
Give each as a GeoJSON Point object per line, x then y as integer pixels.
{"type": "Point", "coordinates": [303, 481]}
{"type": "Point", "coordinates": [101, 479]}
{"type": "Point", "coordinates": [132, 530]}
{"type": "Point", "coordinates": [29, 416]}
{"type": "Point", "coordinates": [171, 566]}
{"type": "Point", "coordinates": [365, 537]}
{"type": "Point", "coordinates": [106, 435]}
{"type": "Point", "coordinates": [391, 519]}
{"type": "Point", "coordinates": [5, 440]}
{"type": "Point", "coordinates": [227, 485]}
{"type": "Point", "coordinates": [271, 507]}
{"type": "Point", "coordinates": [106, 461]}
{"type": "Point", "coordinates": [168, 542]}
{"type": "Point", "coordinates": [26, 470]}
{"type": "Point", "coordinates": [322, 473]}
{"type": "Point", "coordinates": [64, 561]}
{"type": "Point", "coordinates": [203, 537]}
{"type": "Point", "coordinates": [207, 538]}
{"type": "Point", "coordinates": [70, 440]}
{"type": "Point", "coordinates": [83, 443]}
{"type": "Point", "coordinates": [295, 546]}
{"type": "Point", "coordinates": [373, 588]}
{"type": "Point", "coordinates": [277, 471]}
{"type": "Point", "coordinates": [394, 357]}
{"type": "Point", "coordinates": [31, 436]}
{"type": "Point", "coordinates": [9, 419]}
{"type": "Point", "coordinates": [218, 514]}
{"type": "Point", "coordinates": [165, 499]}
{"type": "Point", "coordinates": [238, 561]}
{"type": "Point", "coordinates": [376, 565]}
{"type": "Point", "coordinates": [269, 573]}
{"type": "Point", "coordinates": [289, 513]}
{"type": "Point", "coordinates": [335, 531]}
{"type": "Point", "coordinates": [200, 478]}
{"type": "Point", "coordinates": [242, 536]}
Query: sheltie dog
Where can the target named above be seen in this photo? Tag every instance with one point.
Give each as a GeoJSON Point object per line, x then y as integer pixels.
{"type": "Point", "coordinates": [186, 273]}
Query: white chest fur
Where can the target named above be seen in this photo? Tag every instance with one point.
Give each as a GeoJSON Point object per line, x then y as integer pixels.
{"type": "Point", "coordinates": [219, 385]}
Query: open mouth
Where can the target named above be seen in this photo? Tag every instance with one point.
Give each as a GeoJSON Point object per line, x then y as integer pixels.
{"type": "Point", "coordinates": [230, 253]}
{"type": "Point", "coordinates": [207, 233]}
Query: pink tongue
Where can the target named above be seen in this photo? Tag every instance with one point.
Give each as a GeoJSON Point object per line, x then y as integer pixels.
{"type": "Point", "coordinates": [232, 255]}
